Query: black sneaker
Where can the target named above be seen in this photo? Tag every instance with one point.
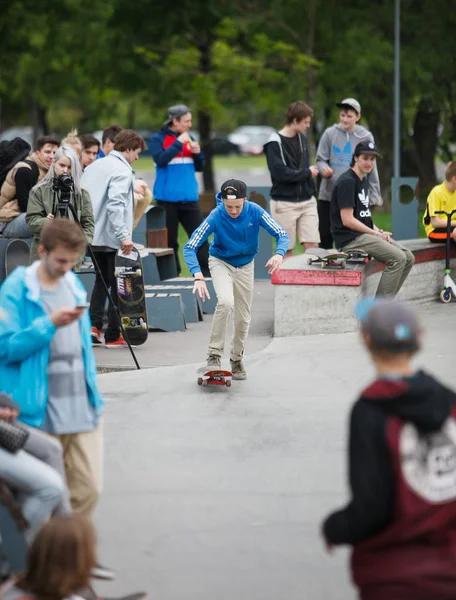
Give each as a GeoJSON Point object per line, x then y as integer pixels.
{"type": "Point", "coordinates": [214, 361]}
{"type": "Point", "coordinates": [99, 572]}
{"type": "Point", "coordinates": [237, 368]}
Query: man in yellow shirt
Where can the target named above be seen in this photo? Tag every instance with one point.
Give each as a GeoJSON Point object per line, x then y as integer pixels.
{"type": "Point", "coordinates": [441, 197]}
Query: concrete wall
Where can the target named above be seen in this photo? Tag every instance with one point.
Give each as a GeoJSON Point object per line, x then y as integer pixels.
{"type": "Point", "coordinates": [317, 309]}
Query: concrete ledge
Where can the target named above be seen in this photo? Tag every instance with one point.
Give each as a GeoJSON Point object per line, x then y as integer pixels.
{"type": "Point", "coordinates": [312, 300]}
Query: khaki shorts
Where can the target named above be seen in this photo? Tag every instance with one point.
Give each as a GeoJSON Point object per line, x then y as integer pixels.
{"type": "Point", "coordinates": [297, 218]}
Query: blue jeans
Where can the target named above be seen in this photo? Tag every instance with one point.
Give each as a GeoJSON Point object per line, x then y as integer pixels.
{"type": "Point", "coordinates": [40, 488]}
{"type": "Point", "coordinates": [17, 228]}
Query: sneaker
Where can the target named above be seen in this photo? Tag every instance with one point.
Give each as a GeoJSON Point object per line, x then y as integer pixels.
{"type": "Point", "coordinates": [214, 361]}
{"type": "Point", "coordinates": [237, 368]}
{"type": "Point", "coordinates": [96, 336]}
{"type": "Point", "coordinates": [119, 343]}
{"type": "Point", "coordinates": [99, 572]}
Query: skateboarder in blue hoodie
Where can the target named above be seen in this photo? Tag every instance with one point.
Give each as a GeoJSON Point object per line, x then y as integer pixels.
{"type": "Point", "coordinates": [235, 223]}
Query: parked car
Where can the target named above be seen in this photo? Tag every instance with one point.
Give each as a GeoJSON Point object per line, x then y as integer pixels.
{"type": "Point", "coordinates": [220, 144]}
{"type": "Point", "coordinates": [251, 138]}
{"type": "Point", "coordinates": [26, 133]}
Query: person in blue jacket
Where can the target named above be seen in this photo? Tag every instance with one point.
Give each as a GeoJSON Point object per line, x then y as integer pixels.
{"type": "Point", "coordinates": [235, 224]}
{"type": "Point", "coordinates": [177, 157]}
{"type": "Point", "coordinates": [46, 357]}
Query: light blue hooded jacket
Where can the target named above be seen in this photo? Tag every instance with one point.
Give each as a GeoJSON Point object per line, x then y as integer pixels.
{"type": "Point", "coordinates": [26, 331]}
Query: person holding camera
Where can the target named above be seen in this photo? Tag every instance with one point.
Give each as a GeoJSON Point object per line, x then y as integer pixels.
{"type": "Point", "coordinates": [58, 195]}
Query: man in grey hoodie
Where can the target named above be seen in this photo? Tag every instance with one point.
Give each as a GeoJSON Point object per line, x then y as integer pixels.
{"type": "Point", "coordinates": [334, 154]}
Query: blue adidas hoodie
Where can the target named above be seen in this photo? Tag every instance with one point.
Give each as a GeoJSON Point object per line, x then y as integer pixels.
{"type": "Point", "coordinates": [176, 164]}
{"type": "Point", "coordinates": [235, 239]}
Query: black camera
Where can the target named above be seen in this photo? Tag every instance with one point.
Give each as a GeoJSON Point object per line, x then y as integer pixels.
{"type": "Point", "coordinates": [64, 186]}
{"type": "Point", "coordinates": [63, 183]}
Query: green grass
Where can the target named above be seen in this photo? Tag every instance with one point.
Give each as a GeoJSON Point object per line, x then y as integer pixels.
{"type": "Point", "coordinates": [226, 163]}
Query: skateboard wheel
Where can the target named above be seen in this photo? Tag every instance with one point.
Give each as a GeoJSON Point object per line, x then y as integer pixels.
{"type": "Point", "coordinates": [144, 326]}
{"type": "Point", "coordinates": [228, 383]}
{"type": "Point", "coordinates": [138, 272]}
{"type": "Point", "coordinates": [125, 321]}
{"type": "Point", "coordinates": [445, 295]}
{"type": "Point", "coordinates": [200, 381]}
{"type": "Point", "coordinates": [204, 382]}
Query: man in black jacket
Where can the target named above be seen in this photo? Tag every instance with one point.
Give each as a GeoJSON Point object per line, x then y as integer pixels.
{"type": "Point", "coordinates": [14, 193]}
{"type": "Point", "coordinates": [401, 518]}
{"type": "Point", "coordinates": [293, 203]}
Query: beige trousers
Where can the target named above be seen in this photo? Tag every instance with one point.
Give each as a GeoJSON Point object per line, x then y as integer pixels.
{"type": "Point", "coordinates": [234, 289]}
{"type": "Point", "coordinates": [83, 458]}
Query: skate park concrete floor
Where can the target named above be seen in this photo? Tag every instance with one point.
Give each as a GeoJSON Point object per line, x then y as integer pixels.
{"type": "Point", "coordinates": [190, 346]}
{"type": "Point", "coordinates": [220, 493]}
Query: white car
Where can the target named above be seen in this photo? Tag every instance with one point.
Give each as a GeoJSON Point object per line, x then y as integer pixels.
{"type": "Point", "coordinates": [251, 138]}
{"type": "Point", "coordinates": [26, 133]}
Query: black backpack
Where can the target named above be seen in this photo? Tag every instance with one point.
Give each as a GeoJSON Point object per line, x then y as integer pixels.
{"type": "Point", "coordinates": [12, 152]}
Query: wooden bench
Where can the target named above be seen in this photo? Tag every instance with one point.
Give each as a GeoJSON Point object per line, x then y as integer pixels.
{"type": "Point", "coordinates": [165, 261]}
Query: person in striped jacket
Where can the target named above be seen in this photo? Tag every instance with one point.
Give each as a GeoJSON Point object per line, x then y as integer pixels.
{"type": "Point", "coordinates": [235, 224]}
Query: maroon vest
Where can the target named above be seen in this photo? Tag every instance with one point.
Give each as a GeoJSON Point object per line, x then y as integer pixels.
{"type": "Point", "coordinates": [416, 552]}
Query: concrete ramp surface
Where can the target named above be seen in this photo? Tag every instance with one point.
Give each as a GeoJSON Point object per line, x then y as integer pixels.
{"type": "Point", "coordinates": [220, 493]}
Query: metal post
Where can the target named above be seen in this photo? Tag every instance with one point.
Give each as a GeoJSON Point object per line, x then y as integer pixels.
{"type": "Point", "coordinates": [397, 88]}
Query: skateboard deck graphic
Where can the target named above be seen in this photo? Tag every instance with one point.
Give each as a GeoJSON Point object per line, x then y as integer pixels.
{"type": "Point", "coordinates": [214, 377]}
{"type": "Point", "coordinates": [130, 292]}
{"type": "Point", "coordinates": [17, 255]}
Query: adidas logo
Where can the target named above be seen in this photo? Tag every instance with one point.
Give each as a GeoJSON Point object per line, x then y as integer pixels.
{"type": "Point", "coordinates": [364, 198]}
{"type": "Point", "coordinates": [365, 201]}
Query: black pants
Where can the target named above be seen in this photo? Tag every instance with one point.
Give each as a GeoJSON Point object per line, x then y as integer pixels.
{"type": "Point", "coordinates": [189, 214]}
{"type": "Point", "coordinates": [324, 225]}
{"type": "Point", "coordinates": [105, 262]}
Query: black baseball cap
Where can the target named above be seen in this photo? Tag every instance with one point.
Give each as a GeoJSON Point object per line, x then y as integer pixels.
{"type": "Point", "coordinates": [234, 189]}
{"type": "Point", "coordinates": [175, 112]}
{"type": "Point", "coordinates": [392, 325]}
{"type": "Point", "coordinates": [366, 148]}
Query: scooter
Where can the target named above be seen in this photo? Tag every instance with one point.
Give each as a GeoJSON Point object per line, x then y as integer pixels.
{"type": "Point", "coordinates": [449, 287]}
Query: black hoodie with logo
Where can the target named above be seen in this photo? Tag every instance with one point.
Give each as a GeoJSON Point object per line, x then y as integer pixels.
{"type": "Point", "coordinates": [401, 520]}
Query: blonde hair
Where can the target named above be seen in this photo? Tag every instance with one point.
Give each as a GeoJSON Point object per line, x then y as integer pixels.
{"type": "Point", "coordinates": [450, 170]}
{"type": "Point", "coordinates": [76, 169]}
{"type": "Point", "coordinates": [72, 140]}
